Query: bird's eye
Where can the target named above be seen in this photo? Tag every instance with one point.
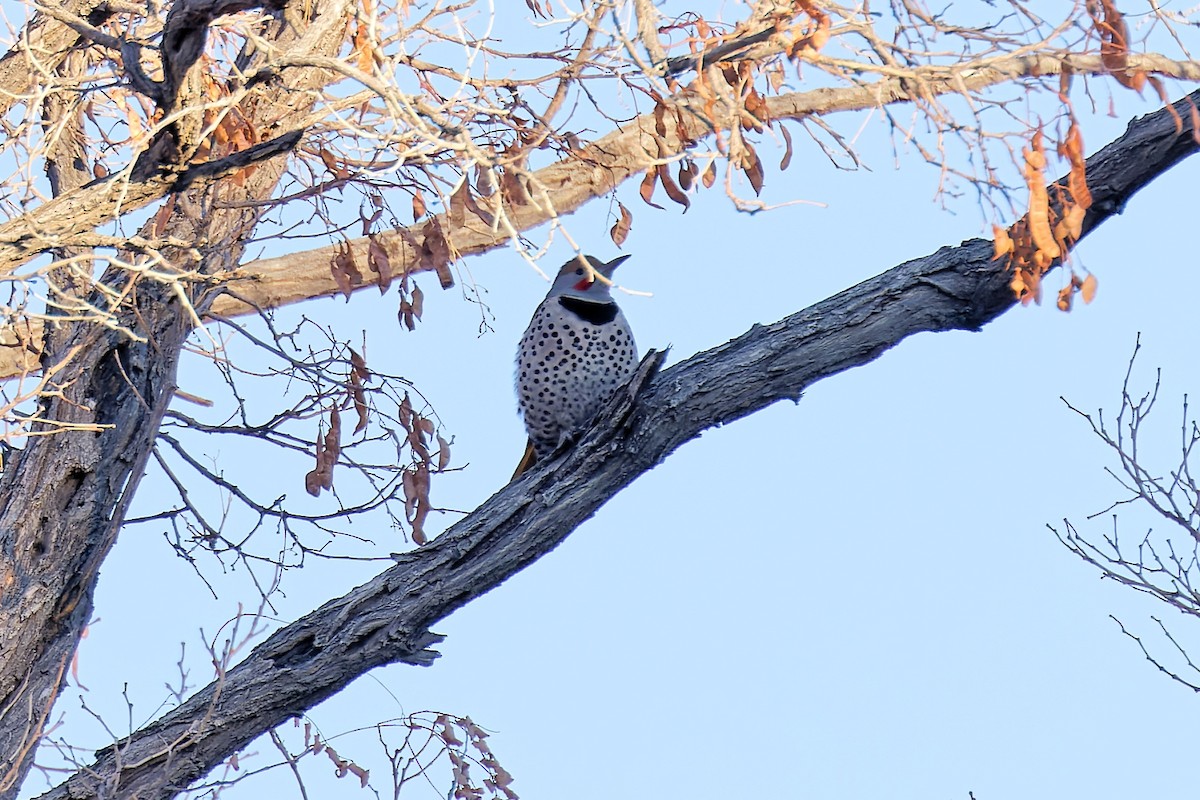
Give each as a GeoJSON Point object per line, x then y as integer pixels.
{"type": "Point", "coordinates": [579, 271]}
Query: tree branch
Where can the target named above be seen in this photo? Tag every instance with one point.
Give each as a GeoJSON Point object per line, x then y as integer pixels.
{"type": "Point", "coordinates": [387, 620]}
{"type": "Point", "coordinates": [596, 171]}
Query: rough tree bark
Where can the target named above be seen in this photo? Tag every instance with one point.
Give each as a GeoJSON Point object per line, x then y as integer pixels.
{"type": "Point", "coordinates": [388, 619]}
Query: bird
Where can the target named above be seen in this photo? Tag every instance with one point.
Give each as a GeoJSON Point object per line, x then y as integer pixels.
{"type": "Point", "coordinates": [577, 350]}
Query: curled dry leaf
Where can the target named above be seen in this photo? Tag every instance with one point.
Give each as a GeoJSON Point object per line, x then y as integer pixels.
{"type": "Point", "coordinates": [687, 174]}
{"type": "Point", "coordinates": [709, 177]}
{"type": "Point", "coordinates": [646, 190]}
{"type": "Point", "coordinates": [418, 301]}
{"type": "Point", "coordinates": [620, 229]}
{"type": "Point", "coordinates": [672, 188]}
{"type": "Point", "coordinates": [787, 153]}
{"type": "Point", "coordinates": [344, 270]}
{"type": "Point", "coordinates": [332, 164]}
{"type": "Point", "coordinates": [418, 205]}
{"type": "Point", "coordinates": [406, 413]}
{"type": "Point", "coordinates": [752, 166]}
{"type": "Point", "coordinates": [1003, 242]}
{"type": "Point", "coordinates": [379, 263]}
{"type": "Point", "coordinates": [1039, 205]}
{"type": "Point", "coordinates": [405, 315]}
{"type": "Point", "coordinates": [434, 253]}
{"type": "Point", "coordinates": [328, 448]}
{"type": "Point", "coordinates": [1064, 298]}
{"type": "Point", "coordinates": [1087, 289]}
{"type": "Point", "coordinates": [363, 775]}
{"type": "Point", "coordinates": [443, 460]}
{"type": "Point", "coordinates": [447, 732]}
{"type": "Point", "coordinates": [359, 396]}
{"type": "Point", "coordinates": [757, 113]}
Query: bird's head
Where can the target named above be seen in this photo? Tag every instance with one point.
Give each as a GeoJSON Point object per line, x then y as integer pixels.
{"type": "Point", "coordinates": [579, 279]}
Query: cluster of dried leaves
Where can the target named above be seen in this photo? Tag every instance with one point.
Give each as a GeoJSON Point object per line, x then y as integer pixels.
{"type": "Point", "coordinates": [1054, 221]}
{"type": "Point", "coordinates": [1051, 227]}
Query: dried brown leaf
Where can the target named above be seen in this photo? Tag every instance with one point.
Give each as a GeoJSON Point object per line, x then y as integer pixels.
{"type": "Point", "coordinates": [687, 174]}
{"type": "Point", "coordinates": [1064, 298]}
{"type": "Point", "coordinates": [752, 166]}
{"type": "Point", "coordinates": [418, 301]}
{"type": "Point", "coordinates": [646, 190]}
{"type": "Point", "coordinates": [435, 252]}
{"type": "Point", "coordinates": [344, 270]}
{"type": "Point", "coordinates": [672, 188]}
{"type": "Point", "coordinates": [1003, 242]}
{"type": "Point", "coordinates": [379, 263]}
{"type": "Point", "coordinates": [1087, 289]}
{"type": "Point", "coordinates": [620, 229]}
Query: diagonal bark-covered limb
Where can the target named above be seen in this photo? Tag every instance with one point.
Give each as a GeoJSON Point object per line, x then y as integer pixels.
{"type": "Point", "coordinates": [388, 619]}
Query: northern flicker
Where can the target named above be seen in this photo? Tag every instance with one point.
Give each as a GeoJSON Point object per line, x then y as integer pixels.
{"type": "Point", "coordinates": [576, 351]}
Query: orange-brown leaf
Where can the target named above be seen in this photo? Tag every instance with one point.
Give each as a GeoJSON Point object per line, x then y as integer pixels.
{"type": "Point", "coordinates": [418, 205]}
{"type": "Point", "coordinates": [646, 190]}
{"type": "Point", "coordinates": [1087, 289]}
{"type": "Point", "coordinates": [1003, 242]}
{"type": "Point", "coordinates": [752, 166]}
{"type": "Point", "coordinates": [1064, 298]}
{"type": "Point", "coordinates": [620, 229]}
{"type": "Point", "coordinates": [330, 161]}
{"type": "Point", "coordinates": [672, 188]}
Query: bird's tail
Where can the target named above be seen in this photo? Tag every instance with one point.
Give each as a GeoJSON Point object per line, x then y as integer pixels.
{"type": "Point", "coordinates": [527, 461]}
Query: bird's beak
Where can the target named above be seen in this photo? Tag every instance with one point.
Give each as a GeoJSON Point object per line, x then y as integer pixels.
{"type": "Point", "coordinates": [607, 269]}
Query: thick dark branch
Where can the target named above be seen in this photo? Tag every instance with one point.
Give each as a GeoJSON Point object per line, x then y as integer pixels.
{"type": "Point", "coordinates": [387, 620]}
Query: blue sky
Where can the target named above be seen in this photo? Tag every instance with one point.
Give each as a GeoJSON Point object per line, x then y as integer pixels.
{"type": "Point", "coordinates": [851, 596]}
